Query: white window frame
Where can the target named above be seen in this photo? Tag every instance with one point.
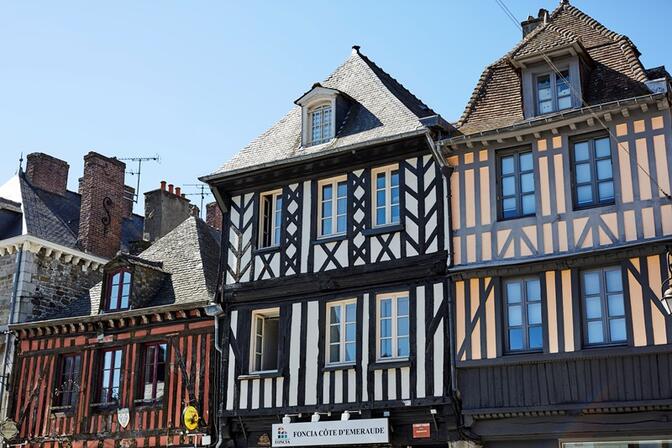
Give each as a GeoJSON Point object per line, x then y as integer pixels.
{"type": "Point", "coordinates": [334, 181]}
{"type": "Point", "coordinates": [342, 341]}
{"type": "Point", "coordinates": [254, 350]}
{"type": "Point", "coordinates": [554, 78]}
{"type": "Point", "coordinates": [387, 169]}
{"type": "Point", "coordinates": [274, 194]}
{"type": "Point", "coordinates": [395, 296]}
{"type": "Point", "coordinates": [320, 107]}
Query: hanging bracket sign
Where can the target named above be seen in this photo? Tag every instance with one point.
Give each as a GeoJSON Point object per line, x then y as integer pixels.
{"type": "Point", "coordinates": [337, 432]}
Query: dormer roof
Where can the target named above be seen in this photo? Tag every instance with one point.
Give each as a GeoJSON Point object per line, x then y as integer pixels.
{"type": "Point", "coordinates": [317, 91]}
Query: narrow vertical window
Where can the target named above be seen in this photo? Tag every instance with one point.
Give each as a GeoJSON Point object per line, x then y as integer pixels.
{"type": "Point", "coordinates": [593, 173]}
{"type": "Point", "coordinates": [332, 205]}
{"type": "Point", "coordinates": [386, 195]}
{"type": "Point", "coordinates": [154, 372]}
{"type": "Point", "coordinates": [523, 314]}
{"type": "Point", "coordinates": [553, 92]}
{"type": "Point", "coordinates": [342, 331]}
{"type": "Point", "coordinates": [393, 326]}
{"type": "Point", "coordinates": [110, 377]}
{"type": "Point", "coordinates": [603, 306]}
{"type": "Point", "coordinates": [516, 185]}
{"type": "Point", "coordinates": [118, 290]}
{"type": "Point", "coordinates": [270, 218]}
{"type": "Point", "coordinates": [69, 385]}
{"type": "Point", "coordinates": [264, 340]}
{"type": "Point", "coordinates": [320, 124]}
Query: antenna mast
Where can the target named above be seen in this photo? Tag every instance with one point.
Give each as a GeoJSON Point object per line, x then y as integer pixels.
{"type": "Point", "coordinates": [202, 193]}
{"type": "Point", "coordinates": [156, 158]}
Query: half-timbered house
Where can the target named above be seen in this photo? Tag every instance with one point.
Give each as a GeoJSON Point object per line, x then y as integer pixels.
{"type": "Point", "coordinates": [335, 296]}
{"type": "Point", "coordinates": [561, 223]}
{"type": "Point", "coordinates": [119, 366]}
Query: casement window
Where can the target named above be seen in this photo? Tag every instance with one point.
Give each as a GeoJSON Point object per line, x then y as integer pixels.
{"type": "Point", "coordinates": [653, 443]}
{"type": "Point", "coordinates": [109, 376]}
{"type": "Point", "coordinates": [553, 92]}
{"type": "Point", "coordinates": [593, 173]}
{"type": "Point", "coordinates": [264, 340]}
{"type": "Point", "coordinates": [385, 182]}
{"type": "Point", "coordinates": [154, 371]}
{"type": "Point", "coordinates": [332, 205]}
{"type": "Point", "coordinates": [603, 306]}
{"type": "Point", "coordinates": [393, 326]}
{"type": "Point", "coordinates": [270, 218]}
{"type": "Point", "coordinates": [341, 331]}
{"type": "Point", "coordinates": [118, 290]}
{"type": "Point", "coordinates": [516, 185]}
{"type": "Point", "coordinates": [320, 124]}
{"type": "Point", "coordinates": [523, 314]}
{"type": "Point", "coordinates": [69, 384]}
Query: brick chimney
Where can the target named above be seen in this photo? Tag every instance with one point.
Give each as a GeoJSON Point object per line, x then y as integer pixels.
{"type": "Point", "coordinates": [164, 210]}
{"type": "Point", "coordinates": [103, 205]}
{"type": "Point", "coordinates": [531, 23]}
{"type": "Point", "coordinates": [47, 173]}
{"type": "Point", "coordinates": [213, 215]}
{"type": "Point", "coordinates": [129, 197]}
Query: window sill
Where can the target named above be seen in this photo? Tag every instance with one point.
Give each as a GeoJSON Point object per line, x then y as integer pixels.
{"type": "Point", "coordinates": [587, 346]}
{"type": "Point", "coordinates": [391, 364]}
{"type": "Point", "coordinates": [578, 208]}
{"type": "Point", "coordinates": [330, 239]}
{"type": "Point", "coordinates": [265, 250]}
{"type": "Point", "coordinates": [513, 218]}
{"type": "Point", "coordinates": [105, 407]}
{"type": "Point", "coordinates": [258, 375]}
{"type": "Point", "coordinates": [343, 366]}
{"type": "Point", "coordinates": [148, 403]}
{"type": "Point", "coordinates": [63, 410]}
{"type": "Point", "coordinates": [383, 229]}
{"type": "Point", "coordinates": [523, 352]}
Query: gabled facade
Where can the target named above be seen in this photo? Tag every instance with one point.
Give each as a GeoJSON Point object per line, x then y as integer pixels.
{"type": "Point", "coordinates": [335, 296]}
{"type": "Point", "coordinates": [561, 228]}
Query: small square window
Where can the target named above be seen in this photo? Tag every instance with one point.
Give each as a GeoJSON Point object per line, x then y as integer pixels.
{"type": "Point", "coordinates": [118, 290]}
{"type": "Point", "coordinates": [320, 119]}
{"type": "Point", "coordinates": [553, 92]}
{"type": "Point", "coordinates": [270, 218]}
{"type": "Point", "coordinates": [264, 346]}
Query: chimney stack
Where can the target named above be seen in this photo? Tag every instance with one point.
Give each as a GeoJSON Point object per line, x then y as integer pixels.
{"type": "Point", "coordinates": [129, 198]}
{"type": "Point", "coordinates": [213, 215]}
{"type": "Point", "coordinates": [532, 23]}
{"type": "Point", "coordinates": [47, 173]}
{"type": "Point", "coordinates": [164, 210]}
{"type": "Point", "coordinates": [103, 205]}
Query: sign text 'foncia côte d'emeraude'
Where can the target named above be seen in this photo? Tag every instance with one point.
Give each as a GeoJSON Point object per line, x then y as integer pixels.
{"type": "Point", "coordinates": [337, 432]}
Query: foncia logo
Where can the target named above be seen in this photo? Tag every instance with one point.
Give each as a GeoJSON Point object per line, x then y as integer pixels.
{"type": "Point", "coordinates": [281, 437]}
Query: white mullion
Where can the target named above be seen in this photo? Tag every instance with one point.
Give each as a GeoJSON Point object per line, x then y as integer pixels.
{"type": "Point", "coordinates": [388, 196]}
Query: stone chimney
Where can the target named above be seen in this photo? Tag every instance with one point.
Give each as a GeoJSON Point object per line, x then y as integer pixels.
{"type": "Point", "coordinates": [531, 23]}
{"type": "Point", "coordinates": [165, 209]}
{"type": "Point", "coordinates": [47, 173]}
{"type": "Point", "coordinates": [129, 197]}
{"type": "Point", "coordinates": [103, 205]}
{"type": "Point", "coordinates": [213, 215]}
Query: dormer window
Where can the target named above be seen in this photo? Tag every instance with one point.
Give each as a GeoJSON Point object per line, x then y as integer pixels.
{"type": "Point", "coordinates": [320, 124]}
{"type": "Point", "coordinates": [553, 92]}
{"type": "Point", "coordinates": [118, 290]}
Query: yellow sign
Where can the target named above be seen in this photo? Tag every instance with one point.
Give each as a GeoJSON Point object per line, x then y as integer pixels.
{"type": "Point", "coordinates": [190, 418]}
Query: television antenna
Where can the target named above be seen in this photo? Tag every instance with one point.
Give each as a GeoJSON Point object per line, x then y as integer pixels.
{"type": "Point", "coordinates": [156, 158]}
{"type": "Point", "coordinates": [203, 192]}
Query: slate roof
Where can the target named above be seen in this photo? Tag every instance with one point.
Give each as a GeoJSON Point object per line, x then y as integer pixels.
{"type": "Point", "coordinates": [383, 108]}
{"type": "Point", "coordinates": [55, 218]}
{"type": "Point", "coordinates": [617, 72]}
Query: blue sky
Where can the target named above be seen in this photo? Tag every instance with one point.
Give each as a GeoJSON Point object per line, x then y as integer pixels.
{"type": "Point", "coordinates": [194, 81]}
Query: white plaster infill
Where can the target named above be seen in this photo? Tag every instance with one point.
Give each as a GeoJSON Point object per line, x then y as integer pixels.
{"type": "Point", "coordinates": [66, 254]}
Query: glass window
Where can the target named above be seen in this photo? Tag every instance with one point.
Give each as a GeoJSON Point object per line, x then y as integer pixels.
{"type": "Point", "coordinates": [265, 324]}
{"type": "Point", "coordinates": [524, 319]}
{"type": "Point", "coordinates": [593, 173]}
{"type": "Point", "coordinates": [154, 372]}
{"type": "Point", "coordinates": [320, 124]}
{"type": "Point", "coordinates": [604, 306]}
{"type": "Point", "coordinates": [516, 197]}
{"type": "Point", "coordinates": [270, 217]}
{"type": "Point", "coordinates": [110, 375]}
{"type": "Point", "coordinates": [333, 206]}
{"type": "Point", "coordinates": [342, 331]}
{"type": "Point", "coordinates": [69, 385]}
{"type": "Point", "coordinates": [119, 290]}
{"type": "Point", "coordinates": [393, 326]}
{"type": "Point", "coordinates": [386, 195]}
{"type": "Point", "coordinates": [553, 92]}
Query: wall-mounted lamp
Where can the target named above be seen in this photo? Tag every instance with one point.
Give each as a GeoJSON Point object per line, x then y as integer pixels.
{"type": "Point", "coordinates": [315, 417]}
{"type": "Point", "coordinates": [345, 416]}
{"type": "Point", "coordinates": [286, 420]}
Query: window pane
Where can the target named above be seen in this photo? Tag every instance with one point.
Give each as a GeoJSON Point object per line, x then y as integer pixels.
{"type": "Point", "coordinates": [114, 296]}
{"type": "Point", "coordinates": [516, 339]}
{"type": "Point", "coordinates": [335, 333]}
{"type": "Point", "coordinates": [402, 306]}
{"type": "Point", "coordinates": [584, 194]}
{"type": "Point", "coordinates": [402, 347]}
{"type": "Point", "coordinates": [395, 195]}
{"type": "Point", "coordinates": [593, 307]}
{"type": "Point", "coordinates": [395, 178]}
{"type": "Point", "coordinates": [563, 87]}
{"type": "Point", "coordinates": [125, 294]}
{"type": "Point", "coordinates": [536, 337]}
{"type": "Point", "coordinates": [385, 348]}
{"type": "Point", "coordinates": [326, 227]}
{"type": "Point", "coordinates": [564, 102]}
{"type": "Point", "coordinates": [386, 308]}
{"type": "Point", "coordinates": [380, 216]}
{"type": "Point", "coordinates": [583, 173]}
{"type": "Point", "coordinates": [341, 206]}
{"type": "Point", "coordinates": [526, 162]}
{"type": "Point", "coordinates": [507, 165]}
{"type": "Point", "coordinates": [546, 106]}
{"type": "Point", "coordinates": [395, 213]}
{"type": "Point", "coordinates": [615, 305]}
{"type": "Point", "coordinates": [534, 313]}
{"type": "Point", "coordinates": [515, 315]}
{"type": "Point", "coordinates": [581, 151]}
{"type": "Point", "coordinates": [350, 312]}
{"type": "Point", "coordinates": [508, 186]}
{"type": "Point", "coordinates": [350, 330]}
{"type": "Point", "coordinates": [606, 190]}
{"type": "Point", "coordinates": [117, 359]}
{"type": "Point", "coordinates": [380, 181]}
{"type": "Point", "coordinates": [349, 352]}
{"type": "Point", "coordinates": [107, 364]}
{"type": "Point", "coordinates": [533, 290]}
{"type": "Point", "coordinates": [604, 169]}
{"type": "Point", "coordinates": [527, 182]}
{"type": "Point", "coordinates": [602, 147]}
{"type": "Point", "coordinates": [326, 192]}
{"type": "Point", "coordinates": [341, 224]}
{"type": "Point", "coordinates": [380, 198]}
{"type": "Point", "coordinates": [617, 330]}
{"type": "Point", "coordinates": [595, 335]}
{"type": "Point", "coordinates": [614, 280]}
{"type": "Point", "coordinates": [513, 293]}
{"type": "Point", "coordinates": [386, 328]}
{"type": "Point", "coordinates": [334, 353]}
{"type": "Point", "coordinates": [335, 314]}
{"type": "Point", "coordinates": [529, 205]}
{"type": "Point", "coordinates": [402, 326]}
{"type": "Point", "coordinates": [509, 207]}
{"type": "Point", "coordinates": [544, 87]}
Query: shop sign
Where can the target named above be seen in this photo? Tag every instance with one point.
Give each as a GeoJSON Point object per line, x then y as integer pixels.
{"type": "Point", "coordinates": [421, 431]}
{"type": "Point", "coordinates": [337, 432]}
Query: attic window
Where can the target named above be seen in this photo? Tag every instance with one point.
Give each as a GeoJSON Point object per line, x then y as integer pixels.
{"type": "Point", "coordinates": [118, 290]}
{"type": "Point", "coordinates": [553, 92]}
{"type": "Point", "coordinates": [320, 124]}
